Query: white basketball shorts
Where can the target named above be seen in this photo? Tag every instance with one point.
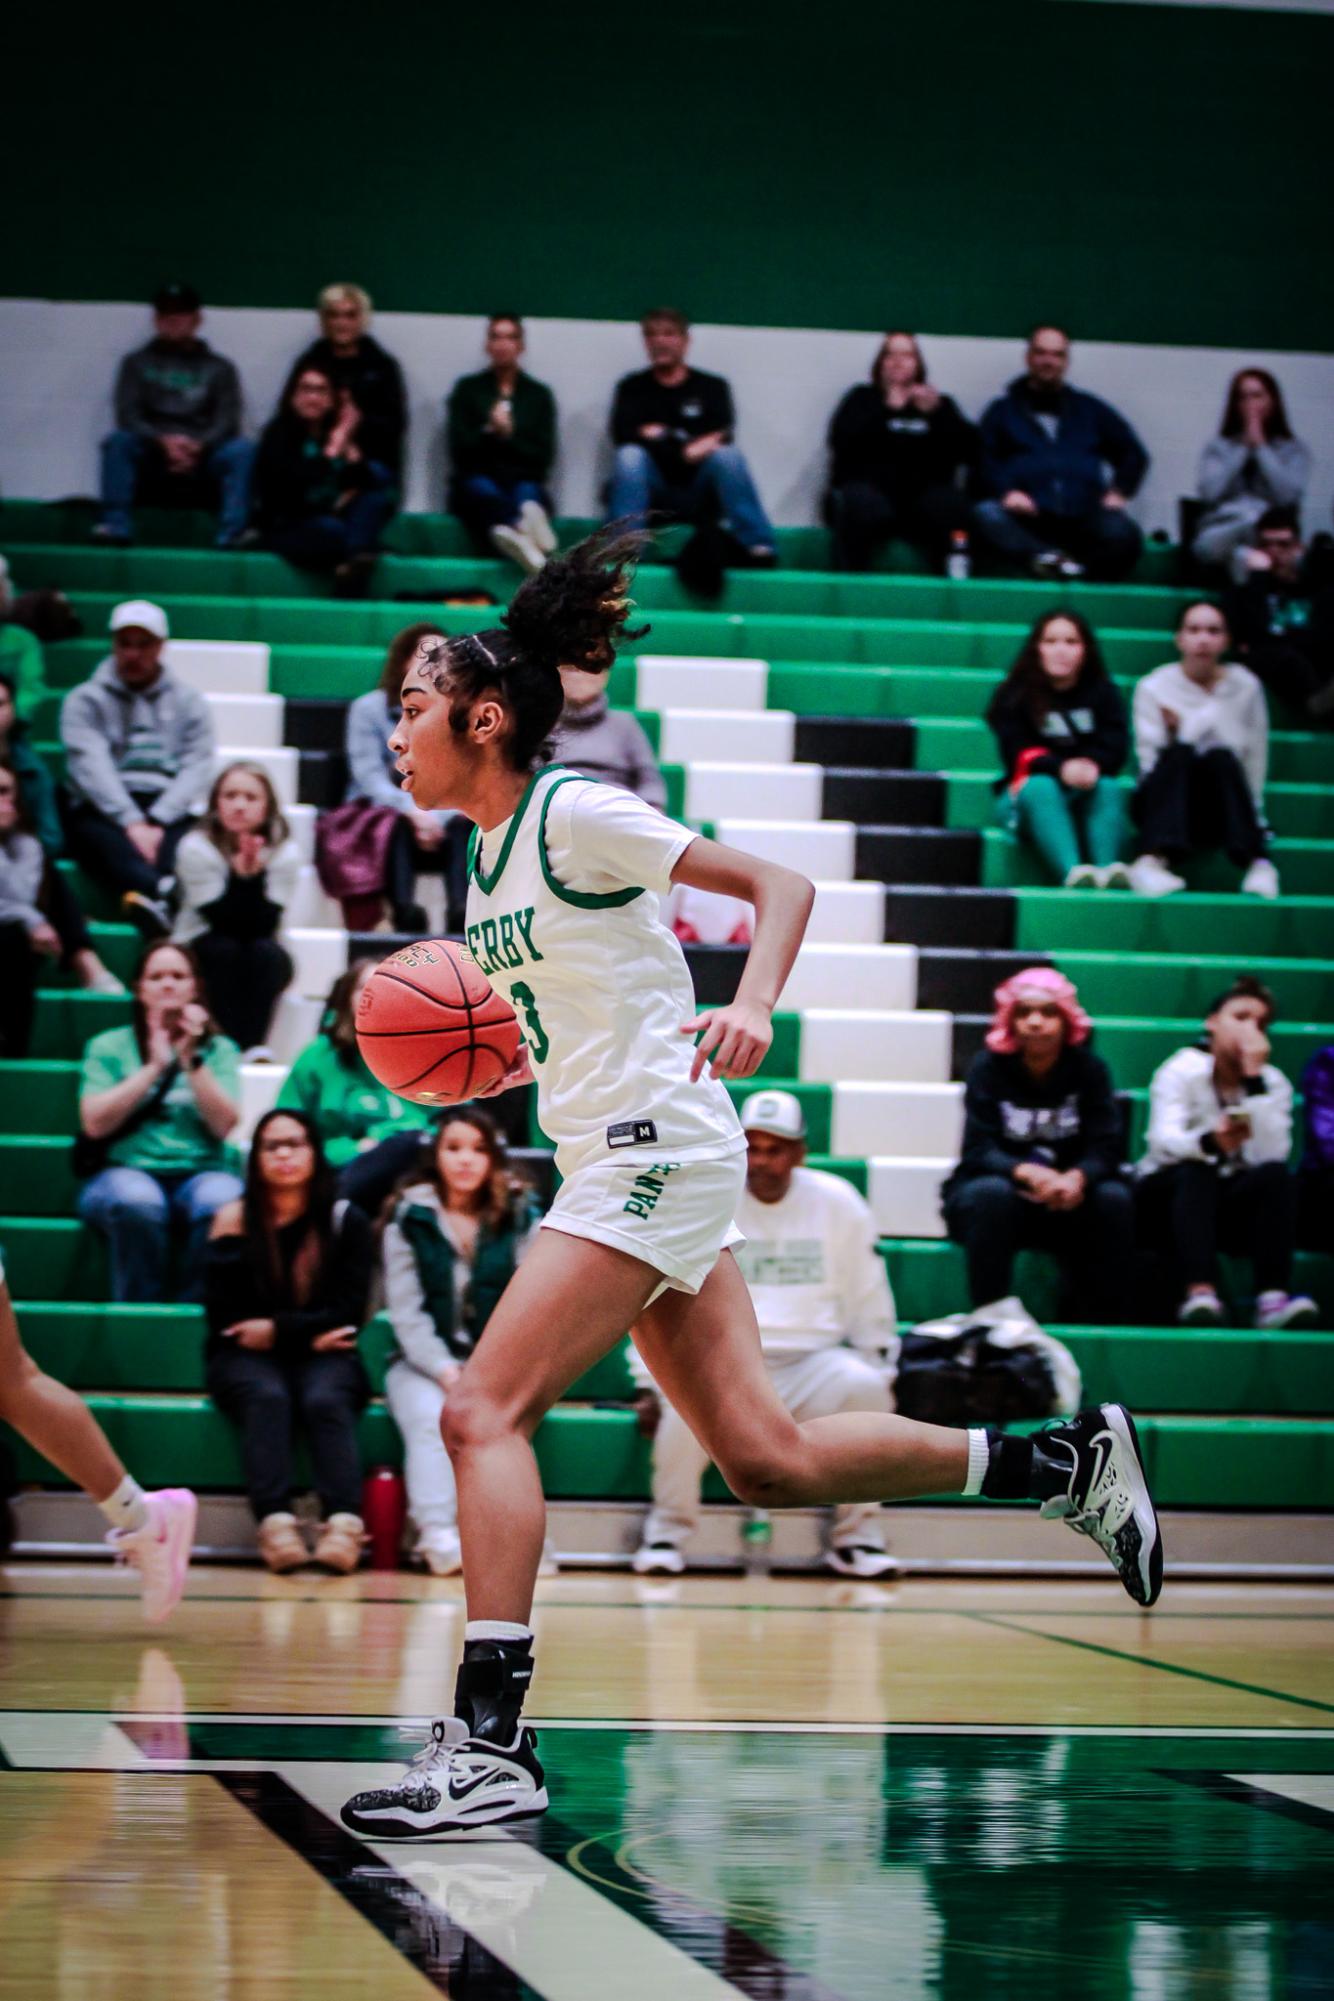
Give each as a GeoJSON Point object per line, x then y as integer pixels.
{"type": "Point", "coordinates": [675, 1215]}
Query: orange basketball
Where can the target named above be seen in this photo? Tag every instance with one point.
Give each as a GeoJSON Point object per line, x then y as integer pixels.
{"type": "Point", "coordinates": [432, 1027]}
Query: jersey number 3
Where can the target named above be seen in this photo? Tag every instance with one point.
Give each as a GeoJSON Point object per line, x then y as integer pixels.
{"type": "Point", "coordinates": [537, 1039]}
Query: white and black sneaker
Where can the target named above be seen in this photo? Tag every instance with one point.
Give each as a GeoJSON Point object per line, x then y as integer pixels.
{"type": "Point", "coordinates": [860, 1559]}
{"type": "Point", "coordinates": [454, 1782]}
{"type": "Point", "coordinates": [1107, 1494]}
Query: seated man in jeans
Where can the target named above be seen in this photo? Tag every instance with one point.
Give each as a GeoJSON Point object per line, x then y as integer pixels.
{"type": "Point", "coordinates": [138, 761]}
{"type": "Point", "coordinates": [1042, 1151]}
{"type": "Point", "coordinates": [672, 426]}
{"type": "Point", "coordinates": [1057, 468]}
{"type": "Point", "coordinates": [178, 420]}
{"type": "Point", "coordinates": [1216, 1175]}
{"type": "Point", "coordinates": [827, 1329]}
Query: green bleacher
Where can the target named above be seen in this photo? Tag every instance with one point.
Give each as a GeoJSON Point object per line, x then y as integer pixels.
{"type": "Point", "coordinates": [1231, 1418]}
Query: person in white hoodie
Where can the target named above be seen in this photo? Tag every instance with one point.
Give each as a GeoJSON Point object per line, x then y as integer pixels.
{"type": "Point", "coordinates": [1202, 741]}
{"type": "Point", "coordinates": [827, 1328]}
{"type": "Point", "coordinates": [1216, 1175]}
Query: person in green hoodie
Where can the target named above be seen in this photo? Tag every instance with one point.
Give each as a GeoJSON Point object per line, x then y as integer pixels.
{"type": "Point", "coordinates": [458, 1229]}
{"type": "Point", "coordinates": [370, 1136]}
{"type": "Point", "coordinates": [502, 440]}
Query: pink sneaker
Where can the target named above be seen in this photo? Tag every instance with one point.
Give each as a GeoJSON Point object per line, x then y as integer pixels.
{"type": "Point", "coordinates": [160, 1551]}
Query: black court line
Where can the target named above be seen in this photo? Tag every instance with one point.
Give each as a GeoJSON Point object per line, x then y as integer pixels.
{"type": "Point", "coordinates": [1242, 1793]}
{"type": "Point", "coordinates": [1147, 1660]}
{"type": "Point", "coordinates": [455, 1963]}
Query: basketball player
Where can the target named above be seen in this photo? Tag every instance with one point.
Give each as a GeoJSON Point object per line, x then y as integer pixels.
{"type": "Point", "coordinates": [154, 1532]}
{"type": "Point", "coordinates": [565, 878]}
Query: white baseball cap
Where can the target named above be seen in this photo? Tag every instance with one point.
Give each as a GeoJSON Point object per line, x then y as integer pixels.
{"type": "Point", "coordinates": [776, 1112]}
{"type": "Point", "coordinates": [138, 611]}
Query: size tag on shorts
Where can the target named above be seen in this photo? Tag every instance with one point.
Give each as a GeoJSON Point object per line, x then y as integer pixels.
{"type": "Point", "coordinates": [633, 1132]}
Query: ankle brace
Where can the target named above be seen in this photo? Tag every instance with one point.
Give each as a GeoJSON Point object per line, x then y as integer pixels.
{"type": "Point", "coordinates": [492, 1682]}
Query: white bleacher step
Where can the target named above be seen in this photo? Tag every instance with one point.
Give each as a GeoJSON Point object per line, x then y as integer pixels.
{"type": "Point", "coordinates": [260, 1085]}
{"type": "Point", "coordinates": [874, 975]}
{"type": "Point", "coordinates": [903, 1191]}
{"type": "Point", "coordinates": [296, 1021]}
{"type": "Point", "coordinates": [925, 1120]}
{"type": "Point", "coordinates": [741, 736]}
{"type": "Point", "coordinates": [311, 908]}
{"type": "Point", "coordinates": [220, 666]}
{"type": "Point", "coordinates": [282, 764]}
{"type": "Point", "coordinates": [671, 680]}
{"type": "Point", "coordinates": [728, 790]}
{"type": "Point", "coordinates": [847, 913]}
{"type": "Point", "coordinates": [301, 821]}
{"type": "Point", "coordinates": [319, 956]}
{"type": "Point", "coordinates": [907, 1045]}
{"type": "Point", "coordinates": [825, 848]}
{"type": "Point", "coordinates": [255, 721]}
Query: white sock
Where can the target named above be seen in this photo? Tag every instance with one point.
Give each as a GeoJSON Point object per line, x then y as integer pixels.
{"type": "Point", "coordinates": [496, 1629]}
{"type": "Point", "coordinates": [979, 1458]}
{"type": "Point", "coordinates": [126, 1508]}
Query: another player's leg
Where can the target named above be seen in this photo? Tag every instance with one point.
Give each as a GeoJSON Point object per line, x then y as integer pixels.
{"type": "Point", "coordinates": [154, 1532]}
{"type": "Point", "coordinates": [567, 1304]}
{"type": "Point", "coordinates": [705, 1353]}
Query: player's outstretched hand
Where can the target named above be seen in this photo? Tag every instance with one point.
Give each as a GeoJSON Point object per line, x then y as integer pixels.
{"type": "Point", "coordinates": [519, 1072]}
{"type": "Point", "coordinates": [735, 1038]}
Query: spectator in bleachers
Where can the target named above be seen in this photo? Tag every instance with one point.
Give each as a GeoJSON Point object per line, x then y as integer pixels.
{"type": "Point", "coordinates": [673, 428]}
{"type": "Point", "coordinates": [1315, 1176]}
{"type": "Point", "coordinates": [1215, 1176]}
{"type": "Point", "coordinates": [36, 786]}
{"type": "Point", "coordinates": [321, 500]}
{"type": "Point", "coordinates": [369, 1135]}
{"type": "Point", "coordinates": [1253, 464]}
{"type": "Point", "coordinates": [367, 377]}
{"type": "Point", "coordinates": [603, 742]}
{"type": "Point", "coordinates": [235, 875]}
{"type": "Point", "coordinates": [178, 426]}
{"type": "Point", "coordinates": [899, 448]}
{"type": "Point", "coordinates": [1061, 726]}
{"type": "Point", "coordinates": [286, 1280]}
{"type": "Point", "coordinates": [501, 426]}
{"type": "Point", "coordinates": [23, 666]}
{"type": "Point", "coordinates": [826, 1323]}
{"type": "Point", "coordinates": [1042, 1145]}
{"type": "Point", "coordinates": [1202, 744]}
{"type": "Point", "coordinates": [40, 921]}
{"type": "Point", "coordinates": [412, 842]}
{"type": "Point", "coordinates": [158, 1100]}
{"type": "Point", "coordinates": [1282, 616]}
{"type": "Point", "coordinates": [1057, 468]}
{"type": "Point", "coordinates": [458, 1229]}
{"type": "Point", "coordinates": [138, 759]}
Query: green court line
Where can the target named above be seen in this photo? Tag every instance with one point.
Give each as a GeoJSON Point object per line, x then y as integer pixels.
{"type": "Point", "coordinates": [1144, 1660]}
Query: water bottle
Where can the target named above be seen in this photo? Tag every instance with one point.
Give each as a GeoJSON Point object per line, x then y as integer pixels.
{"type": "Point", "coordinates": [384, 1510]}
{"type": "Point", "coordinates": [757, 1538]}
{"type": "Point", "coordinates": [958, 564]}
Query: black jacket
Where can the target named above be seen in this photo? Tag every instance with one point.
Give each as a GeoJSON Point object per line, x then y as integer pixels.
{"type": "Point", "coordinates": [526, 454]}
{"type": "Point", "coordinates": [376, 382]}
{"type": "Point", "coordinates": [695, 408]}
{"type": "Point", "coordinates": [1069, 1118]}
{"type": "Point", "coordinates": [237, 1285]}
{"type": "Point", "coordinates": [1300, 613]}
{"type": "Point", "coordinates": [293, 480]}
{"type": "Point", "coordinates": [1065, 475]}
{"type": "Point", "coordinates": [900, 451]}
{"type": "Point", "coordinates": [1079, 722]}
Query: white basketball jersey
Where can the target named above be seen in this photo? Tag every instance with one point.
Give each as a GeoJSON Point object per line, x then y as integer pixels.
{"type": "Point", "coordinates": [563, 919]}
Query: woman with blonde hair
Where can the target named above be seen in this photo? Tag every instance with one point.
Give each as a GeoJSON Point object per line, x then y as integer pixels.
{"type": "Point", "coordinates": [236, 874]}
{"type": "Point", "coordinates": [367, 378]}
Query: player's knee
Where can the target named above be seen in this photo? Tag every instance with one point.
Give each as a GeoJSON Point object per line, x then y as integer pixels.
{"type": "Point", "coordinates": [471, 1419]}
{"type": "Point", "coordinates": [760, 1471]}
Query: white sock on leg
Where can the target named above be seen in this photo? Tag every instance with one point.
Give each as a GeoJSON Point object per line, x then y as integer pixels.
{"type": "Point", "coordinates": [979, 1457]}
{"type": "Point", "coordinates": [126, 1508]}
{"type": "Point", "coordinates": [496, 1629]}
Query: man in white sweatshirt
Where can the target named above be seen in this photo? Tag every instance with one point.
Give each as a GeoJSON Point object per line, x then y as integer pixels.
{"type": "Point", "coordinates": [827, 1327]}
{"type": "Point", "coordinates": [1202, 743]}
{"type": "Point", "coordinates": [1216, 1176]}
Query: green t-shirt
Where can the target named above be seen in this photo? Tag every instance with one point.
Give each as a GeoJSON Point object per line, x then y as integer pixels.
{"type": "Point", "coordinates": [349, 1106]}
{"type": "Point", "coordinates": [175, 1140]}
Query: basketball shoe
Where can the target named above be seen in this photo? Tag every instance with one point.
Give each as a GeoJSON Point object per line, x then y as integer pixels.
{"type": "Point", "coordinates": [453, 1783]}
{"type": "Point", "coordinates": [160, 1550]}
{"type": "Point", "coordinates": [1093, 1479]}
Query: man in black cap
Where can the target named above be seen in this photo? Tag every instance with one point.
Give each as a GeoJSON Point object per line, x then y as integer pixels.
{"type": "Point", "coordinates": [178, 423]}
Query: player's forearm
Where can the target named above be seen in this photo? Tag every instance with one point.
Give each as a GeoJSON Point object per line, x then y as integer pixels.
{"type": "Point", "coordinates": [782, 901]}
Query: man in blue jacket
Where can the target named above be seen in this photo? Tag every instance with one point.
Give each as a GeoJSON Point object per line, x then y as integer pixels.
{"type": "Point", "coordinates": [1057, 468]}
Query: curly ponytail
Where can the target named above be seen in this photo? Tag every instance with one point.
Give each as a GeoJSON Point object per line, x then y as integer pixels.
{"type": "Point", "coordinates": [573, 613]}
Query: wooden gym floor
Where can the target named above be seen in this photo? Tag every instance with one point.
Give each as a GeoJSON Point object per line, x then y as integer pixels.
{"type": "Point", "coordinates": [772, 1787]}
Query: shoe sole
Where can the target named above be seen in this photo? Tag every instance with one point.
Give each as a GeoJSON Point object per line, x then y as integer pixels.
{"type": "Point", "coordinates": [180, 1542]}
{"type": "Point", "coordinates": [543, 538]}
{"type": "Point", "coordinates": [389, 1829]}
{"type": "Point", "coordinates": [1118, 1419]}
